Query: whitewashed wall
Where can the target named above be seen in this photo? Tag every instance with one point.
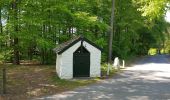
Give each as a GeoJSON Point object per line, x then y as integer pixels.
{"type": "Point", "coordinates": [65, 65]}
{"type": "Point", "coordinates": [95, 59]}
{"type": "Point", "coordinates": [64, 62]}
{"type": "Point", "coordinates": [58, 65]}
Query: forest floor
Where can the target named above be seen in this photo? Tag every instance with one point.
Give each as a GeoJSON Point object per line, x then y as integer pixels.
{"type": "Point", "coordinates": [29, 81]}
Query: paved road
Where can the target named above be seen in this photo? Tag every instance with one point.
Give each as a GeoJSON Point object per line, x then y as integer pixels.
{"type": "Point", "coordinates": [149, 79]}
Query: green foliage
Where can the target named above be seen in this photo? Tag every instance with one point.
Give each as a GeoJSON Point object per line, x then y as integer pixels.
{"type": "Point", "coordinates": [152, 8]}
{"type": "Point", "coordinates": [5, 55]}
{"type": "Point", "coordinates": [41, 24]}
{"type": "Point", "coordinates": [152, 51]}
{"type": "Point", "coordinates": [104, 68]}
{"type": "Point", "coordinates": [63, 38]}
{"type": "Point", "coordinates": [167, 47]}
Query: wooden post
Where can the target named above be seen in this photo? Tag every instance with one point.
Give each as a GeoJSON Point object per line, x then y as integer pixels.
{"type": "Point", "coordinates": [108, 69]}
{"type": "Point", "coordinates": [123, 63]}
{"type": "Point", "coordinates": [4, 81]}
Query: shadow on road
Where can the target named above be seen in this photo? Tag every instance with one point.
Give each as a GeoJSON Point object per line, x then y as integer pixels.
{"type": "Point", "coordinates": [126, 86]}
{"type": "Point", "coordinates": [148, 80]}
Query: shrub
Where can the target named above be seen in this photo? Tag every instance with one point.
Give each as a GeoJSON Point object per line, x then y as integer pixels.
{"type": "Point", "coordinates": [104, 69]}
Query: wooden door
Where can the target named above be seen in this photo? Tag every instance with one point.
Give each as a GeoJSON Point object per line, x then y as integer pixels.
{"type": "Point", "coordinates": [81, 63]}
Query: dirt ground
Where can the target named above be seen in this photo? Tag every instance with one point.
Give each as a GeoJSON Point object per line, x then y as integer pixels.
{"type": "Point", "coordinates": [28, 81]}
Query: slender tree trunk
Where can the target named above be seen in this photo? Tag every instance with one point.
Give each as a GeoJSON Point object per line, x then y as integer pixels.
{"type": "Point", "coordinates": [4, 80]}
{"type": "Point", "coordinates": [69, 31]}
{"type": "Point", "coordinates": [42, 56]}
{"type": "Point", "coordinates": [43, 51]}
{"type": "Point", "coordinates": [16, 52]}
{"type": "Point", "coordinates": [0, 27]}
{"type": "Point", "coordinates": [1, 31]}
{"type": "Point", "coordinates": [30, 52]}
{"type": "Point", "coordinates": [111, 32]}
{"type": "Point", "coordinates": [111, 36]}
{"type": "Point", "coordinates": [16, 40]}
{"type": "Point", "coordinates": [59, 32]}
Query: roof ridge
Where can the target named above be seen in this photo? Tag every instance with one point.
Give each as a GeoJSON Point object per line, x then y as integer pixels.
{"type": "Point", "coordinates": [65, 45]}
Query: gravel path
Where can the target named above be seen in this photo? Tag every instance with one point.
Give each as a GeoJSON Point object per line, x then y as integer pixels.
{"type": "Point", "coordinates": [149, 79]}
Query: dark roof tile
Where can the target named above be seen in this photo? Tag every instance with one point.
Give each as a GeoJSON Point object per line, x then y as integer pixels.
{"type": "Point", "coordinates": [64, 46]}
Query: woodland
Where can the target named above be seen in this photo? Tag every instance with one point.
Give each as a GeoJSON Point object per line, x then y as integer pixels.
{"type": "Point", "coordinates": [31, 29]}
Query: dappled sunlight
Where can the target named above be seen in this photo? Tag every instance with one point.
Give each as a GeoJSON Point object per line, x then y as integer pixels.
{"type": "Point", "coordinates": [157, 76]}
{"type": "Point", "coordinates": [138, 98]}
{"type": "Point", "coordinates": [151, 66]}
{"type": "Point", "coordinates": [165, 74]}
{"type": "Point", "coordinates": [35, 92]}
{"type": "Point", "coordinates": [130, 85]}
{"type": "Point", "coordinates": [159, 71]}
{"type": "Point", "coordinates": [147, 80]}
{"type": "Point", "coordinates": [48, 85]}
{"type": "Point", "coordinates": [71, 93]}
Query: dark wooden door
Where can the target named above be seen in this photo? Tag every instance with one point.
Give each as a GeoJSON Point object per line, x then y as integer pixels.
{"type": "Point", "coordinates": [81, 63]}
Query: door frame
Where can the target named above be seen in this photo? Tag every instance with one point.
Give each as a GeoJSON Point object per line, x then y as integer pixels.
{"type": "Point", "coordinates": [81, 54]}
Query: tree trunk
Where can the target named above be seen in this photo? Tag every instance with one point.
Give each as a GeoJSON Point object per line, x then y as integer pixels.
{"type": "Point", "coordinates": [43, 51]}
{"type": "Point", "coordinates": [111, 33]}
{"type": "Point", "coordinates": [16, 40]}
{"type": "Point", "coordinates": [42, 56]}
{"type": "Point", "coordinates": [16, 52]}
{"type": "Point", "coordinates": [0, 28]}
{"type": "Point", "coordinates": [111, 36]}
{"type": "Point", "coordinates": [0, 22]}
{"type": "Point", "coordinates": [30, 52]}
{"type": "Point", "coordinates": [4, 80]}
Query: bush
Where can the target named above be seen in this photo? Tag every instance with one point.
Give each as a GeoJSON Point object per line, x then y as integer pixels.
{"type": "Point", "coordinates": [152, 51]}
{"type": "Point", "coordinates": [5, 55]}
{"type": "Point", "coordinates": [104, 69]}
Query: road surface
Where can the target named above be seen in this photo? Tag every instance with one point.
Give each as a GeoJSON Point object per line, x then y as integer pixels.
{"type": "Point", "coordinates": [148, 79]}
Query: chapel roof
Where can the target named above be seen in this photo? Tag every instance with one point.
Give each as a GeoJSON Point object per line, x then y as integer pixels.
{"type": "Point", "coordinates": [66, 45]}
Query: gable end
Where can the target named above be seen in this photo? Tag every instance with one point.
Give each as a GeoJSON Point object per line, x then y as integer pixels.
{"type": "Point", "coordinates": [81, 38]}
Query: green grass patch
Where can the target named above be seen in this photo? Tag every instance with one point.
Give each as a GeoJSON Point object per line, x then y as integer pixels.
{"type": "Point", "coordinates": [70, 84]}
